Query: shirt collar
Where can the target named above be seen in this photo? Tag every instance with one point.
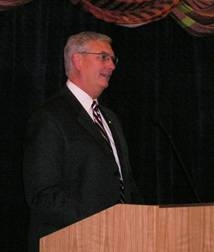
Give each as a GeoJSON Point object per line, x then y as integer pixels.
{"type": "Point", "coordinates": [82, 96]}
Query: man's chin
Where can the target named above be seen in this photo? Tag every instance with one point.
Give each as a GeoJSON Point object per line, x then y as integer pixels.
{"type": "Point", "coordinates": [105, 84]}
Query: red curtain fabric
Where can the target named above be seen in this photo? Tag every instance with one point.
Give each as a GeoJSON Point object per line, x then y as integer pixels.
{"type": "Point", "coordinates": [128, 12]}
{"type": "Point", "coordinates": [196, 16]}
{"type": "Point", "coordinates": [6, 4]}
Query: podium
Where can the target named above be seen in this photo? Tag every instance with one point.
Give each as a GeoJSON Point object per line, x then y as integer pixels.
{"type": "Point", "coordinates": [138, 228]}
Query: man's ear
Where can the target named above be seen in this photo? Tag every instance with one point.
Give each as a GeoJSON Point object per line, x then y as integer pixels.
{"type": "Point", "coordinates": [76, 60]}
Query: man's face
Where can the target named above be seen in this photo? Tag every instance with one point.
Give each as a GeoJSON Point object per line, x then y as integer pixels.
{"type": "Point", "coordinates": [97, 67]}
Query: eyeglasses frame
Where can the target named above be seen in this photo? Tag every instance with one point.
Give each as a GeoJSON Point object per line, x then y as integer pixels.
{"type": "Point", "coordinates": [114, 59]}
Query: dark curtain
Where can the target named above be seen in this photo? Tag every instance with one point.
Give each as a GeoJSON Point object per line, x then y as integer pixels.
{"type": "Point", "coordinates": [162, 92]}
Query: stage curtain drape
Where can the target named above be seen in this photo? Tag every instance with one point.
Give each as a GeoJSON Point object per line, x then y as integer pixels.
{"type": "Point", "coordinates": [129, 13]}
{"type": "Point", "coordinates": [195, 16]}
{"type": "Point", "coordinates": [162, 91]}
{"type": "Point", "coordinates": [7, 4]}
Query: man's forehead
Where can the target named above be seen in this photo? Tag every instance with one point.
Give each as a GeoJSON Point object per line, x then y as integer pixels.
{"type": "Point", "coordinates": [100, 45]}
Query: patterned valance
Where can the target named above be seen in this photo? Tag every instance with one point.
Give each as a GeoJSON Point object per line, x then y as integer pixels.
{"type": "Point", "coordinates": [128, 12]}
{"type": "Point", "coordinates": [7, 4]}
{"type": "Point", "coordinates": [196, 16]}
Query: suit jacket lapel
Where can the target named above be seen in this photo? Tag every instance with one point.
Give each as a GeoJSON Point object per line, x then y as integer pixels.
{"type": "Point", "coordinates": [116, 136]}
{"type": "Point", "coordinates": [89, 125]}
{"type": "Point", "coordinates": [84, 119]}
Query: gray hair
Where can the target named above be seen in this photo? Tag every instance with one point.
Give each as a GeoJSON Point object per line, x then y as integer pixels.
{"type": "Point", "coordinates": [78, 43]}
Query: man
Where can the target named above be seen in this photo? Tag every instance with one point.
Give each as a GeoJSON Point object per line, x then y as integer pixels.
{"type": "Point", "coordinates": [76, 159]}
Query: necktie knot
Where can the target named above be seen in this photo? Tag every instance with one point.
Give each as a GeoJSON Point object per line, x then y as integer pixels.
{"type": "Point", "coordinates": [96, 113]}
{"type": "Point", "coordinates": [95, 106]}
{"type": "Point", "coordinates": [98, 121]}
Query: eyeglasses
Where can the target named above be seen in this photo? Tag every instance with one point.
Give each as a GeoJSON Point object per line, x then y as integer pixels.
{"type": "Point", "coordinates": [103, 56]}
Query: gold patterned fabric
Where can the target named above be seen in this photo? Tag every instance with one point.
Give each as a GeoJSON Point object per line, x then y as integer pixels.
{"type": "Point", "coordinates": [196, 16]}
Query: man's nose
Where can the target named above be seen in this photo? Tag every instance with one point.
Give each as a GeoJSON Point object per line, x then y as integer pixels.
{"type": "Point", "coordinates": [111, 63]}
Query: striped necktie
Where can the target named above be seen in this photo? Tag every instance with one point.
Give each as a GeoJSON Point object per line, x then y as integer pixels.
{"type": "Point", "coordinates": [98, 121]}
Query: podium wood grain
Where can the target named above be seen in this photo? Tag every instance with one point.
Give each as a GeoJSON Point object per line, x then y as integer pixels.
{"type": "Point", "coordinates": [137, 228]}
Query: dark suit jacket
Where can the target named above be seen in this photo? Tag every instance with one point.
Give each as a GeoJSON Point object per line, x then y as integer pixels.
{"type": "Point", "coordinates": [69, 169]}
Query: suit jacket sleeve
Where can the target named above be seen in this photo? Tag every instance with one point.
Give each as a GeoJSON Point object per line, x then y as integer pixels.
{"type": "Point", "coordinates": [42, 177]}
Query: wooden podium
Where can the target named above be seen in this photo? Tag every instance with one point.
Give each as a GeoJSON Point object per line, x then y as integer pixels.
{"type": "Point", "coordinates": [138, 228]}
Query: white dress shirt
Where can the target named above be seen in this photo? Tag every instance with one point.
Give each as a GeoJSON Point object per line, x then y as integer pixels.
{"type": "Point", "coordinates": [86, 102]}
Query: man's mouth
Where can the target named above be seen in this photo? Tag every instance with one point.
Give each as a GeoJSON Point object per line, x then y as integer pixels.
{"type": "Point", "coordinates": [107, 76]}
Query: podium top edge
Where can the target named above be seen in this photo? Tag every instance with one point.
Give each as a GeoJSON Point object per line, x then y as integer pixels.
{"type": "Point", "coordinates": [187, 205]}
{"type": "Point", "coordinates": [171, 205]}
